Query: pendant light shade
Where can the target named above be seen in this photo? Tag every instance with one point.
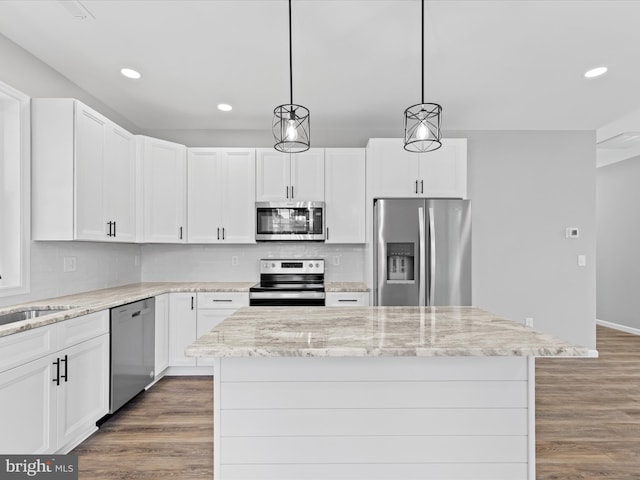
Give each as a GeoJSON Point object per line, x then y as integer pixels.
{"type": "Point", "coordinates": [291, 126]}
{"type": "Point", "coordinates": [422, 121]}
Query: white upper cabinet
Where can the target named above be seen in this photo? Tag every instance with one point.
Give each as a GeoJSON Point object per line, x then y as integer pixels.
{"type": "Point", "coordinates": [83, 174]}
{"type": "Point", "coordinates": [398, 173]}
{"type": "Point", "coordinates": [345, 195]}
{"type": "Point", "coordinates": [120, 183]}
{"type": "Point", "coordinates": [164, 173]}
{"type": "Point", "coordinates": [283, 177]}
{"type": "Point", "coordinates": [221, 195]}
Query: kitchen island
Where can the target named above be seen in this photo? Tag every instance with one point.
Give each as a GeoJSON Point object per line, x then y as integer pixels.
{"type": "Point", "coordinates": [374, 393]}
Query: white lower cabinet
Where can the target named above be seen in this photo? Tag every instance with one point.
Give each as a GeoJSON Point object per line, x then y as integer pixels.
{"type": "Point", "coordinates": [83, 395]}
{"type": "Point", "coordinates": [347, 299]}
{"type": "Point", "coordinates": [192, 315]}
{"type": "Point", "coordinates": [162, 334]}
{"type": "Point", "coordinates": [52, 403]}
{"type": "Point", "coordinates": [182, 328]}
{"type": "Point", "coordinates": [28, 409]}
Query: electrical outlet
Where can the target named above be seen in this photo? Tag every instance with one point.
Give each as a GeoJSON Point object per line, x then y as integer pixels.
{"type": "Point", "coordinates": [69, 264]}
{"type": "Point", "coordinates": [336, 260]}
{"type": "Point", "coordinates": [234, 260]}
{"type": "Point", "coordinates": [528, 322]}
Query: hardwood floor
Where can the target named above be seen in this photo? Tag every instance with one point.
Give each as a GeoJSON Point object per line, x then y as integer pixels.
{"type": "Point", "coordinates": [587, 423]}
{"type": "Point", "coordinates": [588, 412]}
{"type": "Point", "coordinates": [165, 433]}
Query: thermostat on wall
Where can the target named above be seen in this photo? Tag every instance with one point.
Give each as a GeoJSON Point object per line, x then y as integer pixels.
{"type": "Point", "coordinates": [572, 232]}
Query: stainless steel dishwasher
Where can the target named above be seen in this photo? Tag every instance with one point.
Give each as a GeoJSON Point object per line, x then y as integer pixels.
{"type": "Point", "coordinates": [132, 350]}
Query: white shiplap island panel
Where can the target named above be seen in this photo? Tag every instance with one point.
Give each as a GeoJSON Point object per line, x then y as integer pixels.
{"type": "Point", "coordinates": [371, 393]}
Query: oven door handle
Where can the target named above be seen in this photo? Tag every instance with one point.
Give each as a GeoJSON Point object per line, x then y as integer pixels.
{"type": "Point", "coordinates": [286, 295]}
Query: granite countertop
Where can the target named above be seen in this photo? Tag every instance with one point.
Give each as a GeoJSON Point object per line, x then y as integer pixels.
{"type": "Point", "coordinates": [71, 306]}
{"type": "Point", "coordinates": [374, 331]}
{"type": "Point", "coordinates": [346, 287]}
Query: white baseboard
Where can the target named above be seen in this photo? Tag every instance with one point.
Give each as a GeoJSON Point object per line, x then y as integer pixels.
{"type": "Point", "coordinates": [617, 326]}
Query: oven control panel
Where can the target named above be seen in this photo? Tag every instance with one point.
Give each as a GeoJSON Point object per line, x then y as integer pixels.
{"type": "Point", "coordinates": [292, 266]}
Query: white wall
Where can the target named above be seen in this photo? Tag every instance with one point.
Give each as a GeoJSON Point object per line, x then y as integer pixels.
{"type": "Point", "coordinates": [618, 277]}
{"type": "Point", "coordinates": [526, 188]}
{"type": "Point", "coordinates": [213, 263]}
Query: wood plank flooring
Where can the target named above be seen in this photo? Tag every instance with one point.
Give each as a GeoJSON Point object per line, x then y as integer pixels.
{"type": "Point", "coordinates": [588, 412]}
{"type": "Point", "coordinates": [587, 422]}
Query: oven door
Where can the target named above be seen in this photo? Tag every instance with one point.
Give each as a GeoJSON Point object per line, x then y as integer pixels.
{"type": "Point", "coordinates": [286, 299]}
{"type": "Point", "coordinates": [301, 221]}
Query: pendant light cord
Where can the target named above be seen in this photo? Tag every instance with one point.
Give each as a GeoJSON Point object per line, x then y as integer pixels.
{"type": "Point", "coordinates": [291, 58]}
{"type": "Point", "coordinates": [422, 49]}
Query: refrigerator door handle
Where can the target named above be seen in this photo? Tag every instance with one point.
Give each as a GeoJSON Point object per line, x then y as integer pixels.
{"type": "Point", "coordinates": [432, 257]}
{"type": "Point", "coordinates": [421, 284]}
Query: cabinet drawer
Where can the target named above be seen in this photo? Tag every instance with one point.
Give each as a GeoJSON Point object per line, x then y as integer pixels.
{"type": "Point", "coordinates": [226, 300]}
{"type": "Point", "coordinates": [24, 347]}
{"type": "Point", "coordinates": [79, 329]}
{"type": "Point", "coordinates": [347, 299]}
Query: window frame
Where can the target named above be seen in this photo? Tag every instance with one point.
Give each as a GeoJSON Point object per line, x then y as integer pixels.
{"type": "Point", "coordinates": [19, 282]}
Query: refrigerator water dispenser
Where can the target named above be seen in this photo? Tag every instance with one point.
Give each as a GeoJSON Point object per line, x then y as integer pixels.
{"type": "Point", "coordinates": [400, 262]}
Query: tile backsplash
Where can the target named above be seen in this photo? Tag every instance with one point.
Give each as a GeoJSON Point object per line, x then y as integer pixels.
{"type": "Point", "coordinates": [97, 265]}
{"type": "Point", "coordinates": [182, 263]}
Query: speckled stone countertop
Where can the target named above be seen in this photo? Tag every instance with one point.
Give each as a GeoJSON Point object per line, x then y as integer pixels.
{"type": "Point", "coordinates": [345, 287]}
{"type": "Point", "coordinates": [374, 331]}
{"type": "Point", "coordinates": [71, 306]}
{"type": "Point", "coordinates": [96, 300]}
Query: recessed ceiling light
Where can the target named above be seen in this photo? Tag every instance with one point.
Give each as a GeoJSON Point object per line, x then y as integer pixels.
{"type": "Point", "coordinates": [225, 107]}
{"type": "Point", "coordinates": [595, 72]}
{"type": "Point", "coordinates": [130, 73]}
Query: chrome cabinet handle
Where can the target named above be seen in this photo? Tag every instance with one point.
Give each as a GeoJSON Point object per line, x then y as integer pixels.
{"type": "Point", "coordinates": [223, 233]}
{"type": "Point", "coordinates": [416, 187]}
{"type": "Point", "coordinates": [421, 186]}
{"type": "Point", "coordinates": [327, 233]}
{"type": "Point", "coordinates": [218, 233]}
{"type": "Point", "coordinates": [191, 302]}
{"type": "Point", "coordinates": [287, 191]}
{"type": "Point", "coordinates": [109, 224]}
{"type": "Point", "coordinates": [180, 233]}
{"type": "Point", "coordinates": [292, 195]}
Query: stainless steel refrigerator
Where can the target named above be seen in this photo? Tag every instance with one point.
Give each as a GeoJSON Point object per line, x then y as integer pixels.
{"type": "Point", "coordinates": [422, 252]}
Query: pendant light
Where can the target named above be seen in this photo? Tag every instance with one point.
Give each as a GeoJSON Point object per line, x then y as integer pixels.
{"type": "Point", "coordinates": [290, 121]}
{"type": "Point", "coordinates": [422, 121]}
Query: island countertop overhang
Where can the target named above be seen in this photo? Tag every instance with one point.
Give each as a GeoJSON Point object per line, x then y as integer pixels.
{"type": "Point", "coordinates": [374, 331]}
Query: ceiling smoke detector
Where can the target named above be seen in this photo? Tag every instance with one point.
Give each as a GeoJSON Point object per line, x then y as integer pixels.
{"type": "Point", "coordinates": [621, 141]}
{"type": "Point", "coordinates": [77, 9]}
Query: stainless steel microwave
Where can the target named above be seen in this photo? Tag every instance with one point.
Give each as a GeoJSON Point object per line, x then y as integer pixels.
{"type": "Point", "coordinates": [301, 221]}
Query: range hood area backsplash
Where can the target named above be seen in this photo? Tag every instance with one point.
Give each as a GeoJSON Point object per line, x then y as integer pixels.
{"type": "Point", "coordinates": [215, 263]}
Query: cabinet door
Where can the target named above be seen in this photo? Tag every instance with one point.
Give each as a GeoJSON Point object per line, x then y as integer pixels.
{"type": "Point", "coordinates": [444, 171]}
{"type": "Point", "coordinates": [347, 299]}
{"type": "Point", "coordinates": [208, 319]}
{"type": "Point", "coordinates": [165, 184]}
{"type": "Point", "coordinates": [394, 171]}
{"type": "Point", "coordinates": [273, 177]}
{"type": "Point", "coordinates": [27, 396]}
{"type": "Point", "coordinates": [345, 195]}
{"type": "Point", "coordinates": [83, 396]}
{"type": "Point", "coordinates": [204, 195]}
{"type": "Point", "coordinates": [162, 334]}
{"type": "Point", "coordinates": [120, 183]}
{"type": "Point", "coordinates": [237, 184]}
{"type": "Point", "coordinates": [182, 327]}
{"type": "Point", "coordinates": [307, 176]}
{"type": "Point", "coordinates": [89, 156]}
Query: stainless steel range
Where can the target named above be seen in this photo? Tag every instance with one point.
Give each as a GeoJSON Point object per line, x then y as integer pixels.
{"type": "Point", "coordinates": [295, 282]}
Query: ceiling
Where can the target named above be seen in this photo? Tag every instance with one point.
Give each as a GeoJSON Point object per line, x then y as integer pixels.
{"type": "Point", "coordinates": [500, 64]}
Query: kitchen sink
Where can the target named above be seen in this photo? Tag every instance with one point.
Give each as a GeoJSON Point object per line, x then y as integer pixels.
{"type": "Point", "coordinates": [29, 313]}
